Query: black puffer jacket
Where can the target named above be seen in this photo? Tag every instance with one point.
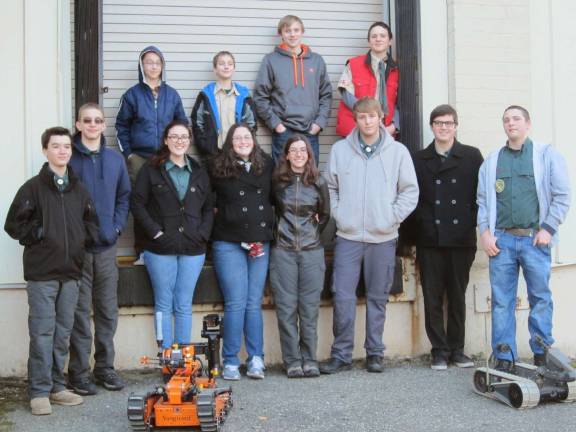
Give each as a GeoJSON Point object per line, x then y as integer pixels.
{"type": "Point", "coordinates": [302, 213]}
{"type": "Point", "coordinates": [186, 224]}
{"type": "Point", "coordinates": [55, 227]}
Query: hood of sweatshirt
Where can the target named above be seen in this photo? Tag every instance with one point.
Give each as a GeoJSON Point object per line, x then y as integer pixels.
{"type": "Point", "coordinates": [141, 76]}
{"type": "Point", "coordinates": [297, 61]}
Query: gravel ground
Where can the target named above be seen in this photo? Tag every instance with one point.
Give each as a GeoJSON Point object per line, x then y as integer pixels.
{"type": "Point", "coordinates": [408, 396]}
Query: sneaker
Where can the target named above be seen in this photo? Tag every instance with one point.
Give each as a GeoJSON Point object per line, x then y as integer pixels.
{"type": "Point", "coordinates": [139, 261]}
{"type": "Point", "coordinates": [256, 368]}
{"type": "Point", "coordinates": [503, 366]}
{"type": "Point", "coordinates": [438, 362]}
{"type": "Point", "coordinates": [66, 397]}
{"type": "Point", "coordinates": [83, 387]}
{"type": "Point", "coordinates": [461, 360]}
{"type": "Point", "coordinates": [539, 360]}
{"type": "Point", "coordinates": [374, 364]}
{"type": "Point", "coordinates": [231, 373]}
{"type": "Point", "coordinates": [334, 365]}
{"type": "Point", "coordinates": [109, 379]}
{"type": "Point", "coordinates": [310, 370]}
{"type": "Point", "coordinates": [40, 406]}
{"type": "Point", "coordinates": [295, 372]}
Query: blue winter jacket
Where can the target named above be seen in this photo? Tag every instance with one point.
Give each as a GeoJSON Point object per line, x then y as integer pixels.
{"type": "Point", "coordinates": [142, 118]}
{"type": "Point", "coordinates": [106, 179]}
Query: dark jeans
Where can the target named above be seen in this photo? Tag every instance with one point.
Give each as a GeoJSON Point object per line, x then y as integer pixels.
{"type": "Point", "coordinates": [278, 141]}
{"type": "Point", "coordinates": [445, 272]}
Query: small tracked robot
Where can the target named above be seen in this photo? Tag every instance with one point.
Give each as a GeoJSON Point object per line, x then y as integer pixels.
{"type": "Point", "coordinates": [190, 396]}
{"type": "Point", "coordinates": [526, 385]}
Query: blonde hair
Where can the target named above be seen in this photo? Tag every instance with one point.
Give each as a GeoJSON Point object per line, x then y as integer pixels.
{"type": "Point", "coordinates": [287, 21]}
{"type": "Point", "coordinates": [367, 105]}
{"type": "Point", "coordinates": [89, 105]}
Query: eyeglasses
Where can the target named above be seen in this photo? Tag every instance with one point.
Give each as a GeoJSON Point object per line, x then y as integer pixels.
{"type": "Point", "coordinates": [150, 64]}
{"type": "Point", "coordinates": [447, 124]}
{"type": "Point", "coordinates": [242, 138]}
{"type": "Point", "coordinates": [179, 138]}
{"type": "Point", "coordinates": [297, 150]}
{"type": "Point", "coordinates": [97, 120]}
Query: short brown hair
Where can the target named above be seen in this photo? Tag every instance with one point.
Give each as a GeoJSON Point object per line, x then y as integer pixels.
{"type": "Point", "coordinates": [222, 54]}
{"type": "Point", "coordinates": [367, 105]}
{"type": "Point", "coordinates": [287, 21]}
{"type": "Point", "coordinates": [442, 110]}
{"type": "Point", "coordinates": [89, 105]}
{"type": "Point", "coordinates": [54, 131]}
{"type": "Point", "coordinates": [523, 110]}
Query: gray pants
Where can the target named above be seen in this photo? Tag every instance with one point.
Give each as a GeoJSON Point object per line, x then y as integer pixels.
{"type": "Point", "coordinates": [98, 291]}
{"type": "Point", "coordinates": [296, 279]}
{"type": "Point", "coordinates": [378, 261]}
{"type": "Point", "coordinates": [50, 319]}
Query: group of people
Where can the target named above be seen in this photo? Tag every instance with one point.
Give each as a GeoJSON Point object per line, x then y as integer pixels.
{"type": "Point", "coordinates": [264, 214]}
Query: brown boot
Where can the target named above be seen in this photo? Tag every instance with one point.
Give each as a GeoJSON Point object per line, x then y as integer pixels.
{"type": "Point", "coordinates": [40, 406]}
{"type": "Point", "coordinates": [66, 397]}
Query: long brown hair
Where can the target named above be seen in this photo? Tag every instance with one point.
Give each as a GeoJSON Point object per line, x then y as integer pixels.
{"type": "Point", "coordinates": [225, 164]}
{"type": "Point", "coordinates": [283, 172]}
{"type": "Point", "coordinates": [163, 153]}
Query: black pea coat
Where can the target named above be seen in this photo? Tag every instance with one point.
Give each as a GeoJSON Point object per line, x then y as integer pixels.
{"type": "Point", "coordinates": [446, 212]}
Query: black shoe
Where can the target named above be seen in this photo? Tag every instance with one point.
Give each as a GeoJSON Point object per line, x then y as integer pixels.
{"type": "Point", "coordinates": [539, 360]}
{"type": "Point", "coordinates": [503, 366]}
{"type": "Point", "coordinates": [438, 362]}
{"type": "Point", "coordinates": [82, 387]}
{"type": "Point", "coordinates": [334, 365]}
{"type": "Point", "coordinates": [374, 364]}
{"type": "Point", "coordinates": [461, 360]}
{"type": "Point", "coordinates": [310, 369]}
{"type": "Point", "coordinates": [109, 379]}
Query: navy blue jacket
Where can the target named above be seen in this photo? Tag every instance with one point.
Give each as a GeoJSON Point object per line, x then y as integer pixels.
{"type": "Point", "coordinates": [142, 118]}
{"type": "Point", "coordinates": [106, 179]}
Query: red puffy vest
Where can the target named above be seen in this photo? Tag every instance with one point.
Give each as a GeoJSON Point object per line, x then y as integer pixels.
{"type": "Point", "coordinates": [365, 85]}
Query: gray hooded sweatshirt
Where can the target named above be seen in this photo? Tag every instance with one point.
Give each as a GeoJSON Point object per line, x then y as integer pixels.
{"type": "Point", "coordinates": [293, 90]}
{"type": "Point", "coordinates": [370, 197]}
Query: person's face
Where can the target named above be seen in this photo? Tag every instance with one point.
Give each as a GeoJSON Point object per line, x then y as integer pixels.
{"type": "Point", "coordinates": [444, 128]}
{"type": "Point", "coordinates": [242, 142]}
{"type": "Point", "coordinates": [178, 140]}
{"type": "Point", "coordinates": [91, 123]}
{"type": "Point", "coordinates": [379, 40]}
{"type": "Point", "coordinates": [58, 151]}
{"type": "Point", "coordinates": [297, 156]}
{"type": "Point", "coordinates": [224, 67]}
{"type": "Point", "coordinates": [152, 66]}
{"type": "Point", "coordinates": [516, 126]}
{"type": "Point", "coordinates": [292, 35]}
{"type": "Point", "coordinates": [368, 123]}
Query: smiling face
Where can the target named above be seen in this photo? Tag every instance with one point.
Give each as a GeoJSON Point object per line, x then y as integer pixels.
{"type": "Point", "coordinates": [297, 156]}
{"type": "Point", "coordinates": [91, 123]}
{"type": "Point", "coordinates": [516, 125]}
{"type": "Point", "coordinates": [242, 143]}
{"type": "Point", "coordinates": [292, 35]}
{"type": "Point", "coordinates": [444, 128]}
{"type": "Point", "coordinates": [178, 141]}
{"type": "Point", "coordinates": [379, 40]}
{"type": "Point", "coordinates": [152, 64]}
{"type": "Point", "coordinates": [224, 68]}
{"type": "Point", "coordinates": [58, 151]}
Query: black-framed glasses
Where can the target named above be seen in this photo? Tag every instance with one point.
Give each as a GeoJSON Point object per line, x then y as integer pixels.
{"type": "Point", "coordinates": [176, 138]}
{"type": "Point", "coordinates": [447, 124]}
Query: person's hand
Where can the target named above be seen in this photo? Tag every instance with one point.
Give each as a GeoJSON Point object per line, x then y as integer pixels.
{"type": "Point", "coordinates": [488, 242]}
{"type": "Point", "coordinates": [280, 128]}
{"type": "Point", "coordinates": [542, 238]}
{"type": "Point", "coordinates": [314, 129]}
{"type": "Point", "coordinates": [391, 129]}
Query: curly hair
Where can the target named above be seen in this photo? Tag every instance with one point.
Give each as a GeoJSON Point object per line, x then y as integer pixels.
{"type": "Point", "coordinates": [283, 172]}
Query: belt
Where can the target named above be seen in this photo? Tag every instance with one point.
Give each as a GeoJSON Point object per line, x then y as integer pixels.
{"type": "Point", "coordinates": [520, 232]}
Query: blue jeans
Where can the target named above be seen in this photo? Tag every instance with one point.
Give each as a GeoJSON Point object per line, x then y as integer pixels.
{"type": "Point", "coordinates": [241, 281]}
{"type": "Point", "coordinates": [516, 252]}
{"type": "Point", "coordinates": [173, 279]}
{"type": "Point", "coordinates": [278, 141]}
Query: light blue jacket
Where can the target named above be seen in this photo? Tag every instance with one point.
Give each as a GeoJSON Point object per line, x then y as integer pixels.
{"type": "Point", "coordinates": [552, 188]}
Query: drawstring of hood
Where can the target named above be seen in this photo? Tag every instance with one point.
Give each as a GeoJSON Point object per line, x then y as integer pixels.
{"type": "Point", "coordinates": [295, 59]}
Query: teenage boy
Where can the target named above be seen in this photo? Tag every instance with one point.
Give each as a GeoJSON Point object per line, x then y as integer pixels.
{"type": "Point", "coordinates": [219, 105]}
{"type": "Point", "coordinates": [373, 188]}
{"type": "Point", "coordinates": [444, 227]}
{"type": "Point", "coordinates": [145, 111]}
{"type": "Point", "coordinates": [53, 217]}
{"type": "Point", "coordinates": [103, 173]}
{"type": "Point", "coordinates": [523, 197]}
{"type": "Point", "coordinates": [375, 75]}
{"type": "Point", "coordinates": [292, 92]}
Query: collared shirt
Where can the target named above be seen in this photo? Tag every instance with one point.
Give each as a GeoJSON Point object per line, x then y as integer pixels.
{"type": "Point", "coordinates": [180, 176]}
{"type": "Point", "coordinates": [516, 198]}
{"type": "Point", "coordinates": [369, 150]}
{"type": "Point", "coordinates": [346, 82]}
{"type": "Point", "coordinates": [226, 101]}
{"type": "Point", "coordinates": [443, 155]}
{"type": "Point", "coordinates": [61, 182]}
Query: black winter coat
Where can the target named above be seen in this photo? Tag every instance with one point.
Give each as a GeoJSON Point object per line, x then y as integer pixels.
{"type": "Point", "coordinates": [186, 224]}
{"type": "Point", "coordinates": [244, 206]}
{"type": "Point", "coordinates": [446, 211]}
{"type": "Point", "coordinates": [54, 227]}
{"type": "Point", "coordinates": [297, 207]}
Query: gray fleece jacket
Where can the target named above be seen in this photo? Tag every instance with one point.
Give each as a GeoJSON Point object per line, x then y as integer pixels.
{"type": "Point", "coordinates": [293, 90]}
{"type": "Point", "coordinates": [370, 197]}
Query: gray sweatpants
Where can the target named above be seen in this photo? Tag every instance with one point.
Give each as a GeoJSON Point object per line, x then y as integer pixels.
{"type": "Point", "coordinates": [378, 261]}
{"type": "Point", "coordinates": [296, 279]}
{"type": "Point", "coordinates": [98, 291]}
{"type": "Point", "coordinates": [50, 318]}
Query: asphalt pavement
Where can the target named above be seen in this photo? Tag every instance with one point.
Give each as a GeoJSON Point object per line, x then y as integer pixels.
{"type": "Point", "coordinates": [407, 397]}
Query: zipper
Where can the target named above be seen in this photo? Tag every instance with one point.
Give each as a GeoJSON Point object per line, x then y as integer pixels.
{"type": "Point", "coordinates": [156, 123]}
{"type": "Point", "coordinates": [66, 248]}
{"type": "Point", "coordinates": [297, 236]}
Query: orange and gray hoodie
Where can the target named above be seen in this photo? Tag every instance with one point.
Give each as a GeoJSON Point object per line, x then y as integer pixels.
{"type": "Point", "coordinates": [370, 197]}
{"type": "Point", "coordinates": [292, 89]}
